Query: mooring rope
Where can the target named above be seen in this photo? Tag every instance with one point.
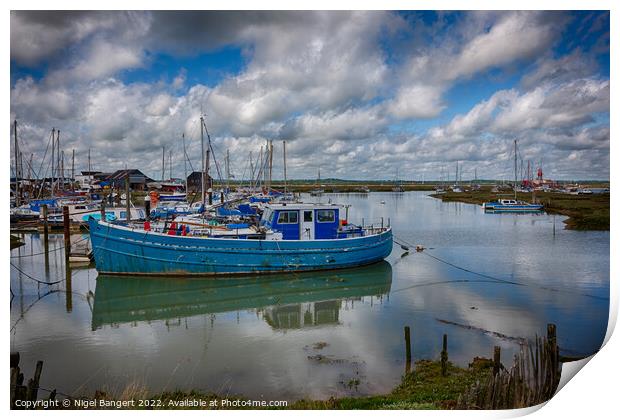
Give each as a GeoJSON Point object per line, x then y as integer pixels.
{"type": "Point", "coordinates": [35, 279]}
{"type": "Point", "coordinates": [495, 279]}
{"type": "Point", "coordinates": [49, 250]}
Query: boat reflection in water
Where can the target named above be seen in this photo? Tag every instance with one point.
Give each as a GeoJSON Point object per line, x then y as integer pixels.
{"type": "Point", "coordinates": [293, 300]}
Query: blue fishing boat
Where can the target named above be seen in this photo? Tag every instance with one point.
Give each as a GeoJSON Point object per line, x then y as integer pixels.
{"type": "Point", "coordinates": [510, 205]}
{"type": "Point", "coordinates": [288, 237]}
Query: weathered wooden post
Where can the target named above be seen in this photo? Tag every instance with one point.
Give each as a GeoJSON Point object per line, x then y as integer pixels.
{"type": "Point", "coordinates": [127, 200]}
{"type": "Point", "coordinates": [67, 231]}
{"type": "Point", "coordinates": [444, 356]}
{"type": "Point", "coordinates": [33, 384]}
{"type": "Point", "coordinates": [554, 350]}
{"type": "Point", "coordinates": [68, 288]}
{"type": "Point", "coordinates": [67, 234]}
{"type": "Point", "coordinates": [45, 224]}
{"type": "Point", "coordinates": [496, 359]}
{"type": "Point", "coordinates": [14, 377]}
{"type": "Point", "coordinates": [407, 349]}
{"type": "Point", "coordinates": [103, 210]}
{"type": "Point", "coordinates": [46, 245]}
{"type": "Point", "coordinates": [222, 197]}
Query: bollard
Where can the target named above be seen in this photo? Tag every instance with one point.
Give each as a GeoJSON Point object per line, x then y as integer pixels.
{"type": "Point", "coordinates": [444, 356]}
{"type": "Point", "coordinates": [496, 359]}
{"type": "Point", "coordinates": [407, 349]}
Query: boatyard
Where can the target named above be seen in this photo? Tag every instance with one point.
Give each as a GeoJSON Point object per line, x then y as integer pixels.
{"type": "Point", "coordinates": [387, 210]}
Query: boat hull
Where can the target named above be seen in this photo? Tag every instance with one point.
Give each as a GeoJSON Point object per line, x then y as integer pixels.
{"type": "Point", "coordinates": [122, 250]}
{"type": "Point", "coordinates": [513, 208]}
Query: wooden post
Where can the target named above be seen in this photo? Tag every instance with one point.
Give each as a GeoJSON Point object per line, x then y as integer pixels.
{"type": "Point", "coordinates": [103, 210]}
{"type": "Point", "coordinates": [127, 199]}
{"type": "Point", "coordinates": [68, 288]}
{"type": "Point", "coordinates": [45, 224]}
{"type": "Point", "coordinates": [407, 349]}
{"type": "Point", "coordinates": [33, 384]}
{"type": "Point", "coordinates": [444, 356]}
{"type": "Point", "coordinates": [66, 225]}
{"type": "Point", "coordinates": [15, 359]}
{"type": "Point", "coordinates": [554, 350]}
{"type": "Point", "coordinates": [496, 359]}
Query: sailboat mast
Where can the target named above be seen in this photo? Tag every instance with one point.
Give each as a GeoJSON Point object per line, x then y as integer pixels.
{"type": "Point", "coordinates": [53, 161]}
{"type": "Point", "coordinates": [515, 187]}
{"type": "Point", "coordinates": [17, 197]}
{"type": "Point", "coordinates": [170, 163]}
{"type": "Point", "coordinates": [284, 153]}
{"type": "Point", "coordinates": [163, 162]}
{"type": "Point", "coordinates": [202, 159]}
{"type": "Point", "coordinates": [58, 157]}
{"type": "Point", "coordinates": [184, 163]}
{"type": "Point", "coordinates": [72, 169]}
{"type": "Point", "coordinates": [227, 169]}
{"type": "Point", "coordinates": [62, 170]}
{"type": "Point", "coordinates": [270, 162]}
{"type": "Point", "coordinates": [251, 169]}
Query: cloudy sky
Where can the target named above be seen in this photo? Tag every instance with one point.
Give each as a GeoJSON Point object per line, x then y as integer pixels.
{"type": "Point", "coordinates": [360, 95]}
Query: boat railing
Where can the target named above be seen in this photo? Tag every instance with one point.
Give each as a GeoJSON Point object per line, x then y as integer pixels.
{"type": "Point", "coordinates": [374, 226]}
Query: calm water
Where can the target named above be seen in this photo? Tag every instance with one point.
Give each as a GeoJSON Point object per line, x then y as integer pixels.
{"type": "Point", "coordinates": [315, 335]}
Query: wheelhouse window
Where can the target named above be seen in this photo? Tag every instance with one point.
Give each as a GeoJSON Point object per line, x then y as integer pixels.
{"type": "Point", "coordinates": [325, 216]}
{"type": "Point", "coordinates": [288, 217]}
{"type": "Point", "coordinates": [307, 215]}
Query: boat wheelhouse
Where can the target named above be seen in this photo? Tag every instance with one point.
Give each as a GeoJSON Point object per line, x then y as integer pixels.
{"type": "Point", "coordinates": [301, 221]}
{"type": "Point", "coordinates": [288, 237]}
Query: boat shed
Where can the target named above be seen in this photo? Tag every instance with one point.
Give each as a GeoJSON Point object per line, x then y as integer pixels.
{"type": "Point", "coordinates": [137, 180]}
{"type": "Point", "coordinates": [194, 181]}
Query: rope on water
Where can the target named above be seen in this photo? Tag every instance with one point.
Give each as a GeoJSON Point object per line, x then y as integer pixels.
{"type": "Point", "coordinates": [497, 279]}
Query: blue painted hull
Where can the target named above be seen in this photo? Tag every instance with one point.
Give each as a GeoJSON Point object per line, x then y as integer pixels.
{"type": "Point", "coordinates": [514, 208]}
{"type": "Point", "coordinates": [122, 250]}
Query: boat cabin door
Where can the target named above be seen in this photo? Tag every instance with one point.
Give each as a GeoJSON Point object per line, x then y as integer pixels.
{"type": "Point", "coordinates": [307, 225]}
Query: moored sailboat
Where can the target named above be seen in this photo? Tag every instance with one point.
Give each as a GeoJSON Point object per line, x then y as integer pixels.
{"type": "Point", "coordinates": [512, 205]}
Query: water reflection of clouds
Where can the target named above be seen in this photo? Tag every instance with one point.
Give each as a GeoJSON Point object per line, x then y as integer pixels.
{"type": "Point", "coordinates": [238, 351]}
